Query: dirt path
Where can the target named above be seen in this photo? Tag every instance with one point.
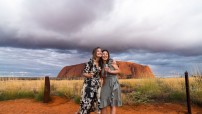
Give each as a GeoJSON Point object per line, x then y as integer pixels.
{"type": "Point", "coordinates": [62, 106]}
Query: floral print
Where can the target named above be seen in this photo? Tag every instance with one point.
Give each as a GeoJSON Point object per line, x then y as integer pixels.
{"type": "Point", "coordinates": [90, 94]}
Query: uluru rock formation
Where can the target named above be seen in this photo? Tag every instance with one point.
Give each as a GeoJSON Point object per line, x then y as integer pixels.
{"type": "Point", "coordinates": [128, 70]}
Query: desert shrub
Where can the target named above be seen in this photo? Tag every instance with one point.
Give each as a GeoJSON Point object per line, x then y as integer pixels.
{"type": "Point", "coordinates": [77, 99]}
{"type": "Point", "coordinates": [136, 98]}
{"type": "Point", "coordinates": [8, 95]}
{"type": "Point", "coordinates": [39, 95]}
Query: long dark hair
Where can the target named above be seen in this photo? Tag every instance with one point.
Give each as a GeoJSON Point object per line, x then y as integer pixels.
{"type": "Point", "coordinates": [102, 61]}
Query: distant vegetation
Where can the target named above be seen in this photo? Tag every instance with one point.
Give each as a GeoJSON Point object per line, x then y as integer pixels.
{"type": "Point", "coordinates": [134, 91]}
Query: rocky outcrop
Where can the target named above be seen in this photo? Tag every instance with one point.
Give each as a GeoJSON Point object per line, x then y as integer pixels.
{"type": "Point", "coordinates": [128, 70]}
{"type": "Point", "coordinates": [133, 70]}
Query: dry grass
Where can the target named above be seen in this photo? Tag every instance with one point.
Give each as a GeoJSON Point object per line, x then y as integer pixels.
{"type": "Point", "coordinates": [13, 88]}
{"type": "Point", "coordinates": [144, 90]}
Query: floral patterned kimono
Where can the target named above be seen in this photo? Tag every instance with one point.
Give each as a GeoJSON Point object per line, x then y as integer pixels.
{"type": "Point", "coordinates": [90, 94]}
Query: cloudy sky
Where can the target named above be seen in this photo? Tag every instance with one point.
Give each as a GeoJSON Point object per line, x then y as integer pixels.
{"type": "Point", "coordinates": [40, 37]}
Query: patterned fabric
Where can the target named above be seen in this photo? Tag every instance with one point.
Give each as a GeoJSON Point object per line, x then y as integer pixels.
{"type": "Point", "coordinates": [110, 91]}
{"type": "Point", "coordinates": [90, 94]}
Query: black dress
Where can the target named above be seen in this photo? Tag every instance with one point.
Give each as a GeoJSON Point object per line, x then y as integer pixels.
{"type": "Point", "coordinates": [90, 94]}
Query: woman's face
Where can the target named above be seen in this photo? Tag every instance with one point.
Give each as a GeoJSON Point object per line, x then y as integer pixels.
{"type": "Point", "coordinates": [99, 53]}
{"type": "Point", "coordinates": [105, 56]}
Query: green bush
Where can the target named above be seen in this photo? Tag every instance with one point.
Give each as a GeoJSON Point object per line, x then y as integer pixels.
{"type": "Point", "coordinates": [177, 96]}
{"type": "Point", "coordinates": [8, 95]}
{"type": "Point", "coordinates": [77, 99]}
{"type": "Point", "coordinates": [136, 98]}
{"type": "Point", "coordinates": [39, 96]}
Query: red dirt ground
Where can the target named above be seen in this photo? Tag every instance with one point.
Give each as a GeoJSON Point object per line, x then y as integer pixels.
{"type": "Point", "coordinates": [60, 105]}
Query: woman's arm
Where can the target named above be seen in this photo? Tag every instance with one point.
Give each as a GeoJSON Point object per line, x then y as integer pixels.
{"type": "Point", "coordinates": [116, 68]}
{"type": "Point", "coordinates": [86, 71]}
{"type": "Point", "coordinates": [88, 75]}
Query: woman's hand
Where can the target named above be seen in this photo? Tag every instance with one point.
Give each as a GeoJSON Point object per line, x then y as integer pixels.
{"type": "Point", "coordinates": [117, 70]}
{"type": "Point", "coordinates": [91, 74]}
{"type": "Point", "coordinates": [88, 75]}
{"type": "Point", "coordinates": [106, 69]}
{"type": "Point", "coordinates": [113, 62]}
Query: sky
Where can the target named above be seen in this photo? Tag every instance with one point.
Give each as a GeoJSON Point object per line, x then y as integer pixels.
{"type": "Point", "coordinates": [40, 37]}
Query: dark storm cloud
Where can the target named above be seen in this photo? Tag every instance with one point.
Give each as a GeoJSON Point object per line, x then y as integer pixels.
{"type": "Point", "coordinates": [67, 15]}
{"type": "Point", "coordinates": [165, 35]}
{"type": "Point", "coordinates": [117, 25]}
{"type": "Point", "coordinates": [49, 24]}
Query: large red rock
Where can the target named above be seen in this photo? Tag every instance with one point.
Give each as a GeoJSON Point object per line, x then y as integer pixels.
{"type": "Point", "coordinates": [128, 70]}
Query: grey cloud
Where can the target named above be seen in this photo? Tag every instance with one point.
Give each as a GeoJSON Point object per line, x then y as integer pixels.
{"type": "Point", "coordinates": [81, 26]}
{"type": "Point", "coordinates": [49, 24]}
{"type": "Point", "coordinates": [163, 63]}
{"type": "Point", "coordinates": [16, 61]}
{"type": "Point", "coordinates": [67, 15]}
{"type": "Point", "coordinates": [37, 62]}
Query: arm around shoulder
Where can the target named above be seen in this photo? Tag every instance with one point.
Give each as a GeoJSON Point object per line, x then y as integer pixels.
{"type": "Point", "coordinates": [116, 68]}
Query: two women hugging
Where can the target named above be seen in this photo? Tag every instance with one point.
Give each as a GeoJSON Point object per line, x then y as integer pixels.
{"type": "Point", "coordinates": [101, 87]}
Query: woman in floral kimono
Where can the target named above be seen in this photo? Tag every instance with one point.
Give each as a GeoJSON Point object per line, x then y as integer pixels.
{"type": "Point", "coordinates": [90, 94]}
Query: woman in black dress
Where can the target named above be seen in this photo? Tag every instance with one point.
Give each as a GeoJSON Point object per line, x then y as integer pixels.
{"type": "Point", "coordinates": [90, 94]}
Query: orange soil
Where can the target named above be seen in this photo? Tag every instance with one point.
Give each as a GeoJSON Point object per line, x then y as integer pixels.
{"type": "Point", "coordinates": [60, 105]}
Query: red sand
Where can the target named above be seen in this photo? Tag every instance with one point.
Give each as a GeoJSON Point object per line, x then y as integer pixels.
{"type": "Point", "coordinates": [62, 106]}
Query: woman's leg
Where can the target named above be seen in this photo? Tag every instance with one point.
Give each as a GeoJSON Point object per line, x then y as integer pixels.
{"type": "Point", "coordinates": [87, 101]}
{"type": "Point", "coordinates": [104, 110]}
{"type": "Point", "coordinates": [98, 99]}
{"type": "Point", "coordinates": [113, 110]}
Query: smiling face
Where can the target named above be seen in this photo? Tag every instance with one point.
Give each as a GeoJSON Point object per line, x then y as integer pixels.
{"type": "Point", "coordinates": [105, 55]}
{"type": "Point", "coordinates": [98, 52]}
